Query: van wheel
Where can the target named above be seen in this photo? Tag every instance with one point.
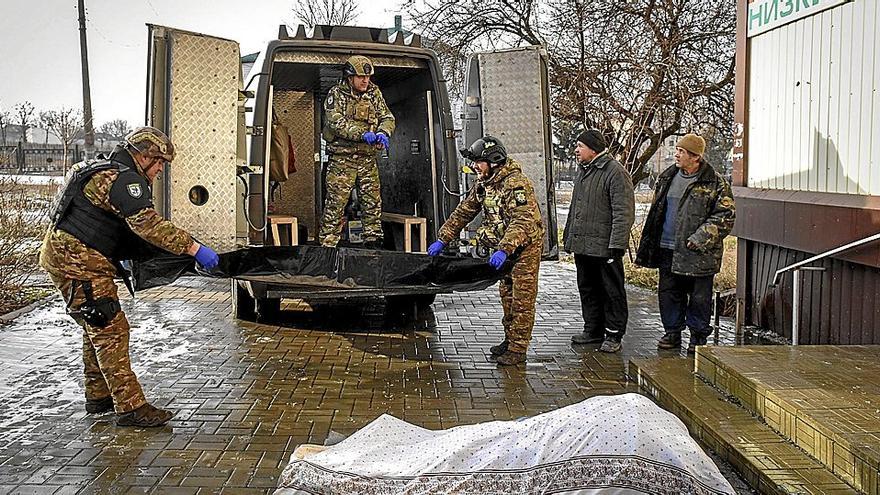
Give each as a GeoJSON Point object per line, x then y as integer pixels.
{"type": "Point", "coordinates": [268, 309]}
{"type": "Point", "coordinates": [243, 305]}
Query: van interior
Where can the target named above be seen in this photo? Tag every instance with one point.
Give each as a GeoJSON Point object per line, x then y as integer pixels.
{"type": "Point", "coordinates": [300, 83]}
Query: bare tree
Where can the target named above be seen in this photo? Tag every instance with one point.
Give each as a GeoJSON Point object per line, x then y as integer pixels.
{"type": "Point", "coordinates": [333, 12]}
{"type": "Point", "coordinates": [639, 71]}
{"type": "Point", "coordinates": [64, 124]}
{"type": "Point", "coordinates": [116, 129]}
{"type": "Point", "coordinates": [4, 123]}
{"type": "Point", "coordinates": [24, 117]}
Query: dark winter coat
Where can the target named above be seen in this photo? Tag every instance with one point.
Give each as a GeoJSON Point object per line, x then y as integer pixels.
{"type": "Point", "coordinates": [705, 217]}
{"type": "Point", "coordinates": [602, 209]}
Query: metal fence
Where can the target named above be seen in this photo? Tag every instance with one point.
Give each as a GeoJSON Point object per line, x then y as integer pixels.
{"type": "Point", "coordinates": [28, 158]}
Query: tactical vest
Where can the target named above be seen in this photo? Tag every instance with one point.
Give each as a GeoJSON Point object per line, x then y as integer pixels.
{"type": "Point", "coordinates": [492, 230]}
{"type": "Point", "coordinates": [95, 227]}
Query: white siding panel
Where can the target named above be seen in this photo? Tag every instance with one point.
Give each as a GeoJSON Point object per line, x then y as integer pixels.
{"type": "Point", "coordinates": [874, 162]}
{"type": "Point", "coordinates": [814, 108]}
{"type": "Point", "coordinates": [844, 138]}
{"type": "Point", "coordinates": [832, 128]}
{"type": "Point", "coordinates": [867, 13]}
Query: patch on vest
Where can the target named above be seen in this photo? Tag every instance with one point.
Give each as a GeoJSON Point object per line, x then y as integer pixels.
{"type": "Point", "coordinates": [135, 191]}
{"type": "Point", "coordinates": [520, 196]}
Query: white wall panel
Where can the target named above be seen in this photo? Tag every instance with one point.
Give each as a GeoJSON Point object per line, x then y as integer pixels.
{"type": "Point", "coordinates": [814, 107]}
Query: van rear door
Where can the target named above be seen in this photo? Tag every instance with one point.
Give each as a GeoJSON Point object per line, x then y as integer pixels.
{"type": "Point", "coordinates": [193, 94]}
{"type": "Point", "coordinates": [508, 96]}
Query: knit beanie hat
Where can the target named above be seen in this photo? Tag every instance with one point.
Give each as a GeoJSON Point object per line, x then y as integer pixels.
{"type": "Point", "coordinates": [693, 143]}
{"type": "Point", "coordinates": [593, 139]}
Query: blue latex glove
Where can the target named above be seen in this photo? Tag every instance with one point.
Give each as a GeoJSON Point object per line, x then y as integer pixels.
{"type": "Point", "coordinates": [436, 248]}
{"type": "Point", "coordinates": [382, 139]}
{"type": "Point", "coordinates": [207, 257]}
{"type": "Point", "coordinates": [370, 137]}
{"type": "Point", "coordinates": [497, 259]}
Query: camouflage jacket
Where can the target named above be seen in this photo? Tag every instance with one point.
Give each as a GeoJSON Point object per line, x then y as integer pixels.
{"type": "Point", "coordinates": [511, 218]}
{"type": "Point", "coordinates": [350, 114]}
{"type": "Point", "coordinates": [705, 217]}
{"type": "Point", "coordinates": [64, 255]}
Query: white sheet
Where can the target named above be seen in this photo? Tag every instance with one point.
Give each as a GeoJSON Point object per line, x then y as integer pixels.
{"type": "Point", "coordinates": [607, 444]}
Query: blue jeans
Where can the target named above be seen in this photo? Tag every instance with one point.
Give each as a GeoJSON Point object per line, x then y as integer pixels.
{"type": "Point", "coordinates": [684, 300]}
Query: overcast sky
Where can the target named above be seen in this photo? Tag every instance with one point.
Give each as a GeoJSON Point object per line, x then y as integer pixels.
{"type": "Point", "coordinates": [39, 61]}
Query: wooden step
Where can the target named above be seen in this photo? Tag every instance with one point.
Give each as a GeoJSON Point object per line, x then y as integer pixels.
{"type": "Point", "coordinates": [825, 399]}
{"type": "Point", "coordinates": [769, 463]}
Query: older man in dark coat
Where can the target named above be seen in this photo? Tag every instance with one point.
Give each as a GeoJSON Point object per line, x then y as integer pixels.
{"type": "Point", "coordinates": [597, 232]}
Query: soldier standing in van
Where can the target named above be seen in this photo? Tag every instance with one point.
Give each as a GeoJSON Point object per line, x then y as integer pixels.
{"type": "Point", "coordinates": [358, 126]}
{"type": "Point", "coordinates": [512, 227]}
{"type": "Point", "coordinates": [102, 213]}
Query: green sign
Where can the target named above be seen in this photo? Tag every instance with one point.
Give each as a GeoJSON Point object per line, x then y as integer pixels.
{"type": "Point", "coordinates": [765, 15]}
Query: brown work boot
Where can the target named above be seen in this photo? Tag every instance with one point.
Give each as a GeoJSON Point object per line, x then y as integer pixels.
{"type": "Point", "coordinates": [670, 340]}
{"type": "Point", "coordinates": [510, 358]}
{"type": "Point", "coordinates": [96, 406]}
{"type": "Point", "coordinates": [499, 349]}
{"type": "Point", "coordinates": [145, 416]}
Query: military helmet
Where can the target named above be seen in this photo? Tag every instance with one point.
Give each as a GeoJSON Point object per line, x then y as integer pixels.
{"type": "Point", "coordinates": [150, 142]}
{"type": "Point", "coordinates": [358, 65]}
{"type": "Point", "coordinates": [488, 149]}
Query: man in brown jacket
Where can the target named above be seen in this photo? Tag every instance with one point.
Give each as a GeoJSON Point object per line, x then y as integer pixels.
{"type": "Point", "coordinates": [512, 227]}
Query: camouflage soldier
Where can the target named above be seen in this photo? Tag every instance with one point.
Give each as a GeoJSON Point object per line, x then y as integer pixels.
{"type": "Point", "coordinates": [684, 233]}
{"type": "Point", "coordinates": [102, 213]}
{"type": "Point", "coordinates": [512, 227]}
{"type": "Point", "coordinates": [358, 126]}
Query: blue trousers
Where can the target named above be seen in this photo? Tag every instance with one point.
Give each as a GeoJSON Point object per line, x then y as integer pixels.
{"type": "Point", "coordinates": [684, 300]}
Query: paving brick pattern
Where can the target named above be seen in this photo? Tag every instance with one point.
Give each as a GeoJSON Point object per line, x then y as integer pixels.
{"type": "Point", "coordinates": [247, 394]}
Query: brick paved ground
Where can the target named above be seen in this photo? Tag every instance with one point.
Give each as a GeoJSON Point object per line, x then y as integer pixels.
{"type": "Point", "coordinates": [246, 394]}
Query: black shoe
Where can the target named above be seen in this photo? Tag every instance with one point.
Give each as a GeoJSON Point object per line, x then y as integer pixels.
{"type": "Point", "coordinates": [511, 358]}
{"type": "Point", "coordinates": [587, 338]}
{"type": "Point", "coordinates": [697, 339]}
{"type": "Point", "coordinates": [499, 349]}
{"type": "Point", "coordinates": [97, 406]}
{"type": "Point", "coordinates": [670, 340]}
{"type": "Point", "coordinates": [145, 416]}
{"type": "Point", "coordinates": [611, 345]}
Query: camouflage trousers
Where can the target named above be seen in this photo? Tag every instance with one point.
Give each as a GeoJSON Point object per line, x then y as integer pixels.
{"type": "Point", "coordinates": [343, 175]}
{"type": "Point", "coordinates": [519, 289]}
{"type": "Point", "coordinates": [105, 350]}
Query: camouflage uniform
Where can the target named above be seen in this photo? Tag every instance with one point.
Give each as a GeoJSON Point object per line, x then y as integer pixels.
{"type": "Point", "coordinates": [70, 262]}
{"type": "Point", "coordinates": [511, 223]}
{"type": "Point", "coordinates": [352, 161]}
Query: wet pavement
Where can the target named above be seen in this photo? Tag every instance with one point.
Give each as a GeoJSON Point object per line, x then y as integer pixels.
{"type": "Point", "coordinates": [247, 394]}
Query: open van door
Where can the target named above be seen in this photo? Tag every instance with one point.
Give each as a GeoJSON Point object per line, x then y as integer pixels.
{"type": "Point", "coordinates": [508, 96]}
{"type": "Point", "coordinates": [193, 95]}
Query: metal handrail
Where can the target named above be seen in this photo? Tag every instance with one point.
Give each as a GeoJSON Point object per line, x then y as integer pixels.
{"type": "Point", "coordinates": [826, 254]}
{"type": "Point", "coordinates": [796, 282]}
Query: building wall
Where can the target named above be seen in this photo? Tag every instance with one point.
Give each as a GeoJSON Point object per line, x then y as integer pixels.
{"type": "Point", "coordinates": [814, 103]}
{"type": "Point", "coordinates": [839, 306]}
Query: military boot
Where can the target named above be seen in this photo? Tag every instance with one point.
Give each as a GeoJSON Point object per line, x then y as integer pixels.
{"type": "Point", "coordinates": [96, 406]}
{"type": "Point", "coordinates": [499, 349]}
{"type": "Point", "coordinates": [510, 358]}
{"type": "Point", "coordinates": [670, 340]}
{"type": "Point", "coordinates": [145, 416]}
